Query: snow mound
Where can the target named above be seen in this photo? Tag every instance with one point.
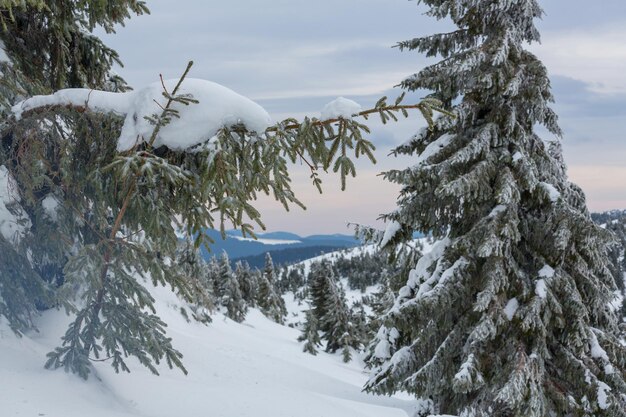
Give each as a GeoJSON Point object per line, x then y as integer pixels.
{"type": "Point", "coordinates": [218, 107]}
{"type": "Point", "coordinates": [340, 108]}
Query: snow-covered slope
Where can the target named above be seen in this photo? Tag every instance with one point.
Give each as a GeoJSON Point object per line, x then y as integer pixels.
{"type": "Point", "coordinates": [349, 253]}
{"type": "Point", "coordinates": [252, 369]}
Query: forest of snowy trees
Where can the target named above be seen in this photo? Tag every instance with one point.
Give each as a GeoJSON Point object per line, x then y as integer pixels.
{"type": "Point", "coordinates": [515, 310]}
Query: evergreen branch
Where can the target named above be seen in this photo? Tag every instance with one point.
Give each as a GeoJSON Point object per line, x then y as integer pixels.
{"type": "Point", "coordinates": [118, 220]}
{"type": "Point", "coordinates": [366, 113]}
{"type": "Point", "coordinates": [170, 101]}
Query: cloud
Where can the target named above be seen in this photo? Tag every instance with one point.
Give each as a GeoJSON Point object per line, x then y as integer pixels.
{"type": "Point", "coordinates": [596, 56]}
{"type": "Point", "coordinates": [576, 98]}
{"type": "Point", "coordinates": [568, 14]}
{"type": "Point", "coordinates": [590, 119]}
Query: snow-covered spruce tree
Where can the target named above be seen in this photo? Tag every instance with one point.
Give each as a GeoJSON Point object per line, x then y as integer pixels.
{"type": "Point", "coordinates": [269, 300]}
{"type": "Point", "coordinates": [194, 270]}
{"type": "Point", "coordinates": [319, 280]}
{"type": "Point", "coordinates": [509, 315]}
{"type": "Point", "coordinates": [337, 324]}
{"type": "Point", "coordinates": [230, 294]}
{"type": "Point", "coordinates": [248, 282]}
{"type": "Point", "coordinates": [291, 278]}
{"type": "Point", "coordinates": [310, 333]}
{"type": "Point", "coordinates": [48, 45]}
{"type": "Point", "coordinates": [329, 308]}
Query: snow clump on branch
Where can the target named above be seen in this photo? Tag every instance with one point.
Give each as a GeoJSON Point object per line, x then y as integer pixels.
{"type": "Point", "coordinates": [217, 107]}
{"type": "Point", "coordinates": [340, 108]}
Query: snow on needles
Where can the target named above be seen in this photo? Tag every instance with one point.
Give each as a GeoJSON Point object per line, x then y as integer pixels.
{"type": "Point", "coordinates": [12, 222]}
{"type": "Point", "coordinates": [392, 228]}
{"type": "Point", "coordinates": [433, 149]}
{"type": "Point", "coordinates": [553, 193]}
{"type": "Point", "coordinates": [218, 107]}
{"type": "Point", "coordinates": [340, 108]}
{"type": "Point", "coordinates": [511, 308]}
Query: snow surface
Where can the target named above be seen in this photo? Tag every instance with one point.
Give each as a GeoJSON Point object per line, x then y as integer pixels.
{"type": "Point", "coordinates": [340, 108]}
{"type": "Point", "coordinates": [218, 107]}
{"type": "Point", "coordinates": [252, 369]}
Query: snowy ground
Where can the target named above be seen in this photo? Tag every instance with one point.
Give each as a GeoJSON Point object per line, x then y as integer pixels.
{"type": "Point", "coordinates": [348, 253]}
{"type": "Point", "coordinates": [235, 370]}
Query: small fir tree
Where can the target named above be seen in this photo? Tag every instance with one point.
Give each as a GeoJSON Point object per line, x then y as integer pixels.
{"type": "Point", "coordinates": [248, 282]}
{"type": "Point", "coordinates": [269, 299]}
{"type": "Point", "coordinates": [329, 307]}
{"type": "Point", "coordinates": [310, 333]}
{"type": "Point", "coordinates": [230, 294]}
{"type": "Point", "coordinates": [337, 323]}
{"type": "Point", "coordinates": [194, 270]}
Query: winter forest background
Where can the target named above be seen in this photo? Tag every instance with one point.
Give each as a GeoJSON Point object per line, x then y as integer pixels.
{"type": "Point", "coordinates": [485, 287]}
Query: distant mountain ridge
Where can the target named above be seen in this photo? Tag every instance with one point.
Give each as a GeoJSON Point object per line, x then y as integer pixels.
{"type": "Point", "coordinates": [281, 244]}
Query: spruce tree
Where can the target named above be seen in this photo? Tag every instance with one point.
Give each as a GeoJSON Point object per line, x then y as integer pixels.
{"type": "Point", "coordinates": [230, 294]}
{"type": "Point", "coordinates": [195, 271]}
{"type": "Point", "coordinates": [269, 299]}
{"type": "Point", "coordinates": [337, 324]}
{"type": "Point", "coordinates": [248, 283]}
{"type": "Point", "coordinates": [310, 333]}
{"type": "Point", "coordinates": [48, 45]}
{"type": "Point", "coordinates": [319, 281]}
{"type": "Point", "coordinates": [330, 310]}
{"type": "Point", "coordinates": [509, 314]}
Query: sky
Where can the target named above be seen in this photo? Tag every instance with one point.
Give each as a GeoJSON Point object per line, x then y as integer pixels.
{"type": "Point", "coordinates": [293, 56]}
